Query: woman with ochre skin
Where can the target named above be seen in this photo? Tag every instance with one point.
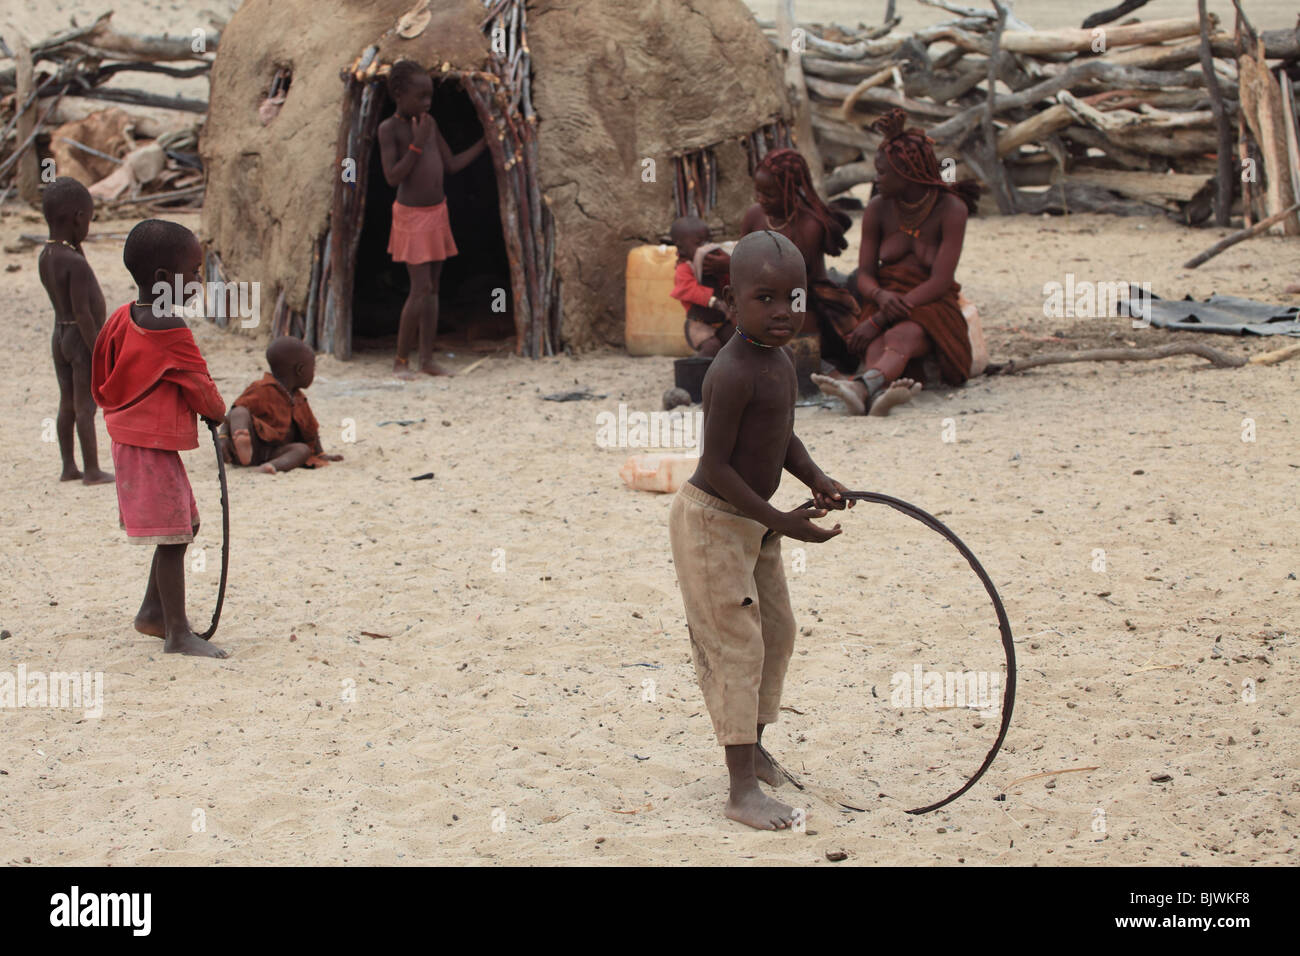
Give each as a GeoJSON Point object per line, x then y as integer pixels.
{"type": "Point", "coordinates": [912, 233]}
{"type": "Point", "coordinates": [787, 202]}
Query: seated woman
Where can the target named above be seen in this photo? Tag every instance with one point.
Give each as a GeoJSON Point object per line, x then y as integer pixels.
{"type": "Point", "coordinates": [788, 203]}
{"type": "Point", "coordinates": [912, 232]}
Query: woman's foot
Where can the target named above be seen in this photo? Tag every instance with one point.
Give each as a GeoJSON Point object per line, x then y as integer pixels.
{"type": "Point", "coordinates": [898, 393]}
{"type": "Point", "coordinates": [853, 394]}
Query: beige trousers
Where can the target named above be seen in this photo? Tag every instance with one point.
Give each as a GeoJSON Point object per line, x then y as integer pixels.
{"type": "Point", "coordinates": [737, 610]}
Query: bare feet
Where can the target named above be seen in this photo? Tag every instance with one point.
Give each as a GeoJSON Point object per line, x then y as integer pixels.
{"type": "Point", "coordinates": [402, 370]}
{"type": "Point", "coordinates": [765, 770]}
{"type": "Point", "coordinates": [97, 477]}
{"type": "Point", "coordinates": [267, 469]}
{"type": "Point", "coordinates": [900, 392]}
{"type": "Point", "coordinates": [191, 644]}
{"type": "Point", "coordinates": [433, 368]}
{"type": "Point", "coordinates": [852, 394]}
{"type": "Point", "coordinates": [243, 443]}
{"type": "Point", "coordinates": [70, 474]}
{"type": "Point", "coordinates": [756, 809]}
{"type": "Point", "coordinates": [151, 623]}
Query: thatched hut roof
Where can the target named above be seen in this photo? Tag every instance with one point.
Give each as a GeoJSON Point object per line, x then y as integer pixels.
{"type": "Point", "coordinates": [612, 84]}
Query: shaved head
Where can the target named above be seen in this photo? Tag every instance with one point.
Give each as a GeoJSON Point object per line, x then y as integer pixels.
{"type": "Point", "coordinates": [157, 244]}
{"type": "Point", "coordinates": [63, 198]}
{"type": "Point", "coordinates": [687, 227]}
{"type": "Point", "coordinates": [286, 352]}
{"type": "Point", "coordinates": [761, 252]}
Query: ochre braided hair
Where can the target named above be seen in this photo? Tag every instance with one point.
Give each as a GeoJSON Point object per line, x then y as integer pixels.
{"type": "Point", "coordinates": [790, 170]}
{"type": "Point", "coordinates": [911, 154]}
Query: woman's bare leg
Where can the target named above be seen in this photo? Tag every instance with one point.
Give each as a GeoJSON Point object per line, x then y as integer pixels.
{"type": "Point", "coordinates": [886, 358]}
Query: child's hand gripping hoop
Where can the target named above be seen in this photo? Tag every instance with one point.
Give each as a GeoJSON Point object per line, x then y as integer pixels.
{"type": "Point", "coordinates": [1008, 646]}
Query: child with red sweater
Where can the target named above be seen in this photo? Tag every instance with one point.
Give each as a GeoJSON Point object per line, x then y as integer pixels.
{"type": "Point", "coordinates": [707, 326]}
{"type": "Point", "coordinates": [149, 378]}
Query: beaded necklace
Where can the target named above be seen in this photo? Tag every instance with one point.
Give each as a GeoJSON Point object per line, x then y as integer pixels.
{"type": "Point", "coordinates": [753, 341]}
{"type": "Point", "coordinates": [912, 216]}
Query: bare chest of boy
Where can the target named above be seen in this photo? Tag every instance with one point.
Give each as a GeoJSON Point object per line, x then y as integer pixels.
{"type": "Point", "coordinates": [766, 425]}
{"type": "Point", "coordinates": [423, 185]}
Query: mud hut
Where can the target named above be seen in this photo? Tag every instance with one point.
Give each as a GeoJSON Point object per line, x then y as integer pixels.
{"type": "Point", "coordinates": [604, 120]}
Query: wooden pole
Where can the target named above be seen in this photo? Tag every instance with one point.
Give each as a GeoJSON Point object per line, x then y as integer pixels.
{"type": "Point", "coordinates": [798, 90]}
{"type": "Point", "coordinates": [998, 175]}
{"type": "Point", "coordinates": [1223, 181]}
{"type": "Point", "coordinates": [1261, 104]}
{"type": "Point", "coordinates": [27, 176]}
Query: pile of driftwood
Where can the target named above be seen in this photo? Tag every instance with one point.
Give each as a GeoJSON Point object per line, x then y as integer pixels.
{"type": "Point", "coordinates": [125, 153]}
{"type": "Point", "coordinates": [1122, 117]}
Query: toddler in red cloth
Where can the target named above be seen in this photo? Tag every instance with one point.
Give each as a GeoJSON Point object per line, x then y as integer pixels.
{"type": "Point", "coordinates": [698, 286]}
{"type": "Point", "coordinates": [149, 378]}
{"type": "Point", "coordinates": [270, 424]}
{"type": "Point", "coordinates": [415, 158]}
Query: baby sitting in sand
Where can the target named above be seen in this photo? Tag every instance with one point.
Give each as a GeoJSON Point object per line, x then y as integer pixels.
{"type": "Point", "coordinates": [270, 424]}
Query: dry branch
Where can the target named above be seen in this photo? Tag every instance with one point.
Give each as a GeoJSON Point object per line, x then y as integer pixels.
{"type": "Point", "coordinates": [1240, 235]}
{"type": "Point", "coordinates": [1214, 356]}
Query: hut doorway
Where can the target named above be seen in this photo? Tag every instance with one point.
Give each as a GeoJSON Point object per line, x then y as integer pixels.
{"type": "Point", "coordinates": [470, 279]}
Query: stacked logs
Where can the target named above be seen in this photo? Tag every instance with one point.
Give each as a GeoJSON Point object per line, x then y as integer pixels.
{"type": "Point", "coordinates": [1110, 118]}
{"type": "Point", "coordinates": [77, 63]}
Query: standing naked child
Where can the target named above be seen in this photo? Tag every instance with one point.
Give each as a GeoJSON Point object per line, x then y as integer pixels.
{"type": "Point", "coordinates": [78, 316]}
{"type": "Point", "coordinates": [728, 562]}
{"type": "Point", "coordinates": [416, 158]}
{"type": "Point", "coordinates": [150, 379]}
{"type": "Point", "coordinates": [270, 424]}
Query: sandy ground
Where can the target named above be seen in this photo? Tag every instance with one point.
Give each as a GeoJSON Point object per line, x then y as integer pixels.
{"type": "Point", "coordinates": [516, 696]}
{"type": "Point", "coordinates": [528, 600]}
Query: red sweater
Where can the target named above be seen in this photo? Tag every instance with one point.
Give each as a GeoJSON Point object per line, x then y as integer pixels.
{"type": "Point", "coordinates": [687, 289]}
{"type": "Point", "coordinates": [151, 383]}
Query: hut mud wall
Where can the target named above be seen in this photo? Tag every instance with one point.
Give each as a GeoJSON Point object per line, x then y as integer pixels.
{"type": "Point", "coordinates": [574, 96]}
{"type": "Point", "coordinates": [622, 91]}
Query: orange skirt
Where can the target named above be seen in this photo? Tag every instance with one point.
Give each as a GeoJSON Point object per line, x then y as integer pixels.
{"type": "Point", "coordinates": [421, 234]}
